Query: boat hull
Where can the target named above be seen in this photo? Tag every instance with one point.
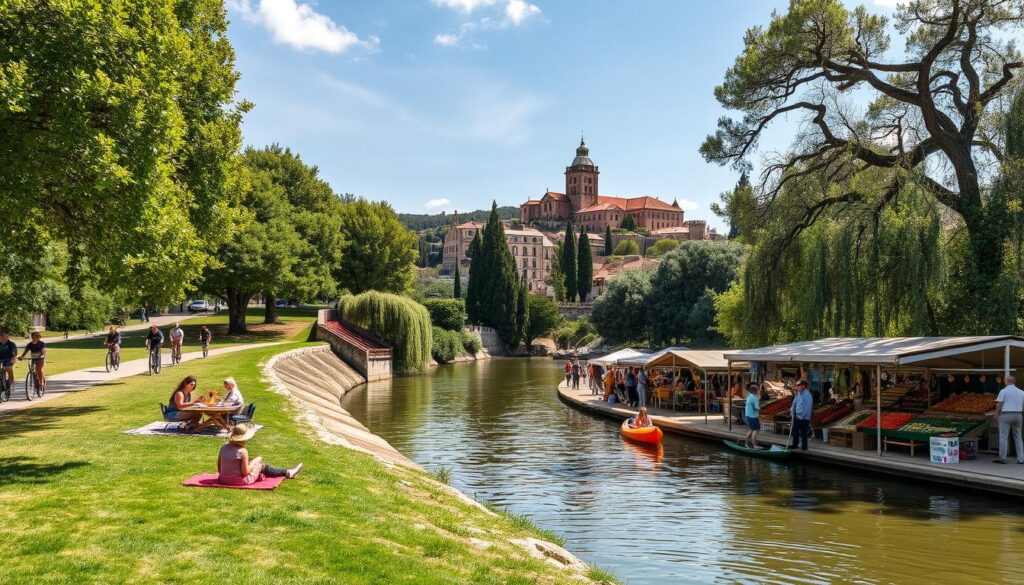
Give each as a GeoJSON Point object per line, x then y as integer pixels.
{"type": "Point", "coordinates": [647, 435]}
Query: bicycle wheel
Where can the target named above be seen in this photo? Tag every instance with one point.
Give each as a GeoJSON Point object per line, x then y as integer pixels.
{"type": "Point", "coordinates": [152, 363]}
{"type": "Point", "coordinates": [158, 362]}
{"type": "Point", "coordinates": [117, 361]}
{"type": "Point", "coordinates": [30, 385]}
{"type": "Point", "coordinates": [109, 361]}
{"type": "Point", "coordinates": [40, 390]}
{"type": "Point", "coordinates": [5, 388]}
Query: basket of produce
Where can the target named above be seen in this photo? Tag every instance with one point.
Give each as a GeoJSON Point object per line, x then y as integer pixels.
{"type": "Point", "coordinates": [830, 413]}
{"type": "Point", "coordinates": [922, 428]}
{"type": "Point", "coordinates": [967, 403]}
{"type": "Point", "coordinates": [890, 421]}
{"type": "Point", "coordinates": [851, 420]}
{"type": "Point", "coordinates": [780, 406]}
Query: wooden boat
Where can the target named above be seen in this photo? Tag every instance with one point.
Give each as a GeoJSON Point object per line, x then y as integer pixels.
{"type": "Point", "coordinates": [776, 454]}
{"type": "Point", "coordinates": [650, 435]}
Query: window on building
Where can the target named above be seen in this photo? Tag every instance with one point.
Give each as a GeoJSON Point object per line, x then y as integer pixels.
{"type": "Point", "coordinates": [515, 250]}
{"type": "Point", "coordinates": [534, 262]}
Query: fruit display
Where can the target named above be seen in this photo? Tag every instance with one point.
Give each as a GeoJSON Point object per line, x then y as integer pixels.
{"type": "Point", "coordinates": [890, 420]}
{"type": "Point", "coordinates": [831, 412]}
{"type": "Point", "coordinates": [850, 422]}
{"type": "Point", "coordinates": [938, 426]}
{"type": "Point", "coordinates": [776, 407]}
{"type": "Point", "coordinates": [970, 403]}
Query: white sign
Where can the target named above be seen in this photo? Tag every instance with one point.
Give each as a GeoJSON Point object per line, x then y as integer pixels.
{"type": "Point", "coordinates": [945, 449]}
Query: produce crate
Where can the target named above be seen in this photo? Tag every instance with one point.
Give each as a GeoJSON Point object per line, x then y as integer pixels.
{"type": "Point", "coordinates": [865, 441]}
{"type": "Point", "coordinates": [840, 437]}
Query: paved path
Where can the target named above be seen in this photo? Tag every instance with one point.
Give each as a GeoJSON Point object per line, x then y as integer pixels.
{"type": "Point", "coordinates": [979, 474]}
{"type": "Point", "coordinates": [61, 384]}
{"type": "Point", "coordinates": [162, 321]}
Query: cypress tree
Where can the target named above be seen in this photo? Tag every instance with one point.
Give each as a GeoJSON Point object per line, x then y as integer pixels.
{"type": "Point", "coordinates": [473, 287]}
{"type": "Point", "coordinates": [608, 240]}
{"type": "Point", "coordinates": [522, 311]}
{"type": "Point", "coordinates": [499, 279]}
{"type": "Point", "coordinates": [458, 283]}
{"type": "Point", "coordinates": [569, 266]}
{"type": "Point", "coordinates": [585, 272]}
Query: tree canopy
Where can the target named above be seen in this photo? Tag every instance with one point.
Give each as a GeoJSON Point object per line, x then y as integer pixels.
{"type": "Point", "coordinates": [626, 248]}
{"type": "Point", "coordinates": [378, 251]}
{"type": "Point", "coordinates": [620, 314]}
{"type": "Point", "coordinates": [544, 317]}
{"type": "Point", "coordinates": [570, 266]}
{"type": "Point", "coordinates": [585, 269]}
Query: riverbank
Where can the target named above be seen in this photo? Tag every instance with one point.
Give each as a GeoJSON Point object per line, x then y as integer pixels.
{"type": "Point", "coordinates": [979, 475]}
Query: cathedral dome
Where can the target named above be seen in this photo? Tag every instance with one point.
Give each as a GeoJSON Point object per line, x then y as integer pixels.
{"type": "Point", "coordinates": [582, 156]}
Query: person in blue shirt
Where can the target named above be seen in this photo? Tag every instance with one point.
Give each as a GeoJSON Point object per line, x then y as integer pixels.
{"type": "Point", "coordinates": [154, 339]}
{"type": "Point", "coordinates": [751, 413]}
{"type": "Point", "coordinates": [803, 407]}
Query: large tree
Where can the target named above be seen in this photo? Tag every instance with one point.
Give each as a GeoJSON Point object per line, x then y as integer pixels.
{"type": "Point", "coordinates": [931, 120]}
{"type": "Point", "coordinates": [585, 270]}
{"type": "Point", "coordinates": [608, 240]}
{"type": "Point", "coordinates": [476, 267]}
{"type": "Point", "coordinates": [498, 281]}
{"type": "Point", "coordinates": [378, 251]}
{"type": "Point", "coordinates": [522, 311]}
{"type": "Point", "coordinates": [457, 287]}
{"type": "Point", "coordinates": [620, 314]}
{"type": "Point", "coordinates": [118, 124]}
{"type": "Point", "coordinates": [570, 268]}
{"type": "Point", "coordinates": [544, 318]}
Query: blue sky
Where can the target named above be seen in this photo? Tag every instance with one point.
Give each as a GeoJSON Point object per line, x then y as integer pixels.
{"type": "Point", "coordinates": [447, 104]}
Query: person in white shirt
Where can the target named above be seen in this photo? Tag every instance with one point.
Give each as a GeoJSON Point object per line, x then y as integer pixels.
{"type": "Point", "coordinates": [1009, 405]}
{"type": "Point", "coordinates": [233, 394]}
{"type": "Point", "coordinates": [177, 335]}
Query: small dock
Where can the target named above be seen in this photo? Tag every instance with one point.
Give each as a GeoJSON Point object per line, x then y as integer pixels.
{"type": "Point", "coordinates": [980, 475]}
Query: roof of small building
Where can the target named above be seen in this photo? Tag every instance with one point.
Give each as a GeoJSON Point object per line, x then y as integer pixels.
{"type": "Point", "coordinates": [471, 225]}
{"type": "Point", "coordinates": [679, 229]}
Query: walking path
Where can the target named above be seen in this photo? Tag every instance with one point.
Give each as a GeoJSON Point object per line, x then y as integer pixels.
{"type": "Point", "coordinates": [158, 320]}
{"type": "Point", "coordinates": [61, 384]}
{"type": "Point", "coordinates": [979, 474]}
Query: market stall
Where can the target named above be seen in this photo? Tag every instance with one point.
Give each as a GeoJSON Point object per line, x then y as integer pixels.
{"type": "Point", "coordinates": [702, 365]}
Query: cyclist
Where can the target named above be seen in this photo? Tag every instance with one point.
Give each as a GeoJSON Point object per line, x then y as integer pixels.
{"type": "Point", "coordinates": [113, 341]}
{"type": "Point", "coordinates": [177, 336]}
{"type": "Point", "coordinates": [8, 351]}
{"type": "Point", "coordinates": [37, 347]}
{"type": "Point", "coordinates": [154, 339]}
{"type": "Point", "coordinates": [205, 337]}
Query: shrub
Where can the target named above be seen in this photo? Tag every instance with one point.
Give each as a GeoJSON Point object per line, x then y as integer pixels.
{"type": "Point", "coordinates": [626, 248]}
{"type": "Point", "coordinates": [447, 345]}
{"type": "Point", "coordinates": [470, 342]}
{"type": "Point", "coordinates": [447, 314]}
{"type": "Point", "coordinates": [660, 247]}
{"type": "Point", "coordinates": [401, 321]}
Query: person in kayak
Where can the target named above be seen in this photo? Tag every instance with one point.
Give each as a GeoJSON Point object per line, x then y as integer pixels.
{"type": "Point", "coordinates": [751, 413]}
{"type": "Point", "coordinates": [642, 420]}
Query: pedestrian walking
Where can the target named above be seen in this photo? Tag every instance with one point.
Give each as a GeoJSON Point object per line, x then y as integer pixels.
{"type": "Point", "coordinates": [631, 395]}
{"type": "Point", "coordinates": [576, 375]}
{"type": "Point", "coordinates": [800, 411]}
{"type": "Point", "coordinates": [1009, 405]}
{"type": "Point", "coordinates": [568, 373]}
{"type": "Point", "coordinates": [641, 388]}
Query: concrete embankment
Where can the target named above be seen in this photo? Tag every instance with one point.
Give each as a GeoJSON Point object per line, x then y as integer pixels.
{"type": "Point", "coordinates": [978, 475]}
{"type": "Point", "coordinates": [317, 380]}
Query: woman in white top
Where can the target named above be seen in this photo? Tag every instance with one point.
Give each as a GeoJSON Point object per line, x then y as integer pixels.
{"type": "Point", "coordinates": [233, 395]}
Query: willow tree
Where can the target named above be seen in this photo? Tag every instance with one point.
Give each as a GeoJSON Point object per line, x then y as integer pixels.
{"type": "Point", "coordinates": [400, 321]}
{"type": "Point", "coordinates": [931, 119]}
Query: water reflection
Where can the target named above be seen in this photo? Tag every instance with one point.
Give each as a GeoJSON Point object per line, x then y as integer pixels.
{"type": "Point", "coordinates": [689, 511]}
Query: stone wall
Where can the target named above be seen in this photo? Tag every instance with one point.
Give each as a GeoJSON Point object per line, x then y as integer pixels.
{"type": "Point", "coordinates": [372, 364]}
{"type": "Point", "coordinates": [488, 338]}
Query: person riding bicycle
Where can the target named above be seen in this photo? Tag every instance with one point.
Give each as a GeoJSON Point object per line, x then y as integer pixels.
{"type": "Point", "coordinates": [177, 336]}
{"type": "Point", "coordinates": [205, 337]}
{"type": "Point", "coordinates": [154, 339]}
{"type": "Point", "coordinates": [8, 351]}
{"type": "Point", "coordinates": [37, 348]}
{"type": "Point", "coordinates": [113, 341]}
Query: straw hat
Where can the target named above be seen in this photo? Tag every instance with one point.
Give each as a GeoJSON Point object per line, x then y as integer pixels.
{"type": "Point", "coordinates": [241, 433]}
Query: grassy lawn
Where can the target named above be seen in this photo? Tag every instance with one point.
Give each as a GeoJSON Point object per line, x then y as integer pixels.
{"type": "Point", "coordinates": [68, 356]}
{"type": "Point", "coordinates": [84, 503]}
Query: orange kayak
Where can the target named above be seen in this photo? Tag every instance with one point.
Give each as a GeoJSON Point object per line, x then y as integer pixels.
{"type": "Point", "coordinates": [650, 435]}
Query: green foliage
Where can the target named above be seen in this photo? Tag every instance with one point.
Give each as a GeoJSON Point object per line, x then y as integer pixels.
{"type": "Point", "coordinates": [427, 285]}
{"type": "Point", "coordinates": [628, 223]}
{"type": "Point", "coordinates": [494, 282]}
{"type": "Point", "coordinates": [585, 271]}
{"type": "Point", "coordinates": [424, 221]}
{"type": "Point", "coordinates": [608, 240]}
{"type": "Point", "coordinates": [378, 252]}
{"type": "Point", "coordinates": [522, 312]}
{"type": "Point", "coordinates": [447, 314]}
{"type": "Point", "coordinates": [661, 247]}
{"type": "Point", "coordinates": [476, 266]}
{"type": "Point", "coordinates": [457, 290]}
{"type": "Point", "coordinates": [403, 322]}
{"type": "Point", "coordinates": [446, 345]}
{"type": "Point", "coordinates": [682, 290]}
{"type": "Point", "coordinates": [738, 207]}
{"type": "Point", "coordinates": [544, 317]}
{"type": "Point", "coordinates": [470, 342]}
{"type": "Point", "coordinates": [626, 248]}
{"type": "Point", "coordinates": [620, 314]}
{"type": "Point", "coordinates": [556, 278]}
{"type": "Point", "coordinates": [572, 334]}
{"type": "Point", "coordinates": [570, 267]}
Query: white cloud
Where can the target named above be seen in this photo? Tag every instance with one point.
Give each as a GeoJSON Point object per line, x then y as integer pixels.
{"type": "Point", "coordinates": [687, 205]}
{"type": "Point", "coordinates": [447, 40]}
{"type": "Point", "coordinates": [466, 6]}
{"type": "Point", "coordinates": [517, 11]}
{"type": "Point", "coordinates": [298, 25]}
{"type": "Point", "coordinates": [435, 203]}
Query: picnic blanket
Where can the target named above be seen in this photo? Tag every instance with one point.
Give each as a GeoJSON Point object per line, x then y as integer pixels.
{"type": "Point", "coordinates": [210, 480]}
{"type": "Point", "coordinates": [178, 430]}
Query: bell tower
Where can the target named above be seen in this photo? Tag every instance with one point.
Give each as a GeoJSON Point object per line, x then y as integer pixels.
{"type": "Point", "coordinates": [581, 179]}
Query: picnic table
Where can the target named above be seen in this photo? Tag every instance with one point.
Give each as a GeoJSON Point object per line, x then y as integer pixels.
{"type": "Point", "coordinates": [213, 416]}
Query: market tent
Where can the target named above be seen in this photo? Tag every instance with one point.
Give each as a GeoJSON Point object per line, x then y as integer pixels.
{"type": "Point", "coordinates": [701, 359]}
{"type": "Point", "coordinates": [612, 358]}
{"type": "Point", "coordinates": [644, 359]}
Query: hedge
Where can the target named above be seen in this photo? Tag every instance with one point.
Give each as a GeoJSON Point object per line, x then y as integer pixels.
{"type": "Point", "coordinates": [447, 314]}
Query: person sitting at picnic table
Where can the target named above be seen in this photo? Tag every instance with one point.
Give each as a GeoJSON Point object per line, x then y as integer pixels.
{"type": "Point", "coordinates": [234, 466]}
{"type": "Point", "coordinates": [642, 420]}
{"type": "Point", "coordinates": [181, 399]}
{"type": "Point", "coordinates": [232, 395]}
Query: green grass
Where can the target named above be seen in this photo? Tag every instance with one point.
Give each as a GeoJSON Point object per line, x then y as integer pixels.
{"type": "Point", "coordinates": [68, 356]}
{"type": "Point", "coordinates": [84, 503]}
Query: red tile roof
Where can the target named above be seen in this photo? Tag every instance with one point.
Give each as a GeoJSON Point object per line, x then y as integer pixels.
{"type": "Point", "coordinates": [532, 202]}
{"type": "Point", "coordinates": [601, 207]}
{"type": "Point", "coordinates": [555, 196]}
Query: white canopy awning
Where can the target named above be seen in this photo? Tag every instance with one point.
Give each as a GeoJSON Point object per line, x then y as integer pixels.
{"type": "Point", "coordinates": [937, 352]}
{"type": "Point", "coordinates": [612, 358]}
{"type": "Point", "coordinates": [642, 359]}
{"type": "Point", "coordinates": [701, 359]}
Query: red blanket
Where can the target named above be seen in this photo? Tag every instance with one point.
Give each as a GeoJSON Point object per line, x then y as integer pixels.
{"type": "Point", "coordinates": [210, 480]}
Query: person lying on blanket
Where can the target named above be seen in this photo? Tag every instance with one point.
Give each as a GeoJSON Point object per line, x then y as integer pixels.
{"type": "Point", "coordinates": [234, 466]}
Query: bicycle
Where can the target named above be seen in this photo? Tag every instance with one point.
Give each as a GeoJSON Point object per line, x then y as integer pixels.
{"type": "Point", "coordinates": [154, 361]}
{"type": "Point", "coordinates": [32, 382]}
{"type": "Point", "coordinates": [113, 361]}
{"type": "Point", "coordinates": [5, 387]}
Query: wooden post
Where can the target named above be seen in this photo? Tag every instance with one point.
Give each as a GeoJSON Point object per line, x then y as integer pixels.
{"type": "Point", "coordinates": [878, 409]}
{"type": "Point", "coordinates": [1006, 363]}
{"type": "Point", "coordinates": [706, 386]}
{"type": "Point", "coordinates": [726, 408]}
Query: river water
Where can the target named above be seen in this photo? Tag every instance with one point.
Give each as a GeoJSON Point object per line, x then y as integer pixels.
{"type": "Point", "coordinates": [690, 512]}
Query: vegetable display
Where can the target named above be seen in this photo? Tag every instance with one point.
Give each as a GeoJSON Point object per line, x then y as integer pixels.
{"type": "Point", "coordinates": [776, 407]}
{"type": "Point", "coordinates": [970, 403]}
{"type": "Point", "coordinates": [831, 412]}
{"type": "Point", "coordinates": [851, 421]}
{"type": "Point", "coordinates": [938, 426]}
{"type": "Point", "coordinates": [890, 420]}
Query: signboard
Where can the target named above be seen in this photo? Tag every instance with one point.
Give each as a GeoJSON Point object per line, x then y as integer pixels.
{"type": "Point", "coordinates": [945, 449]}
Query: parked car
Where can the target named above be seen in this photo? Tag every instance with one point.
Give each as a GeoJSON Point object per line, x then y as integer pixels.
{"type": "Point", "coordinates": [198, 306]}
{"type": "Point", "coordinates": [283, 304]}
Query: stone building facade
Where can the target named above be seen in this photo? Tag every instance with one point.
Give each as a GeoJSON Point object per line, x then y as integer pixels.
{"type": "Point", "coordinates": [532, 251]}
